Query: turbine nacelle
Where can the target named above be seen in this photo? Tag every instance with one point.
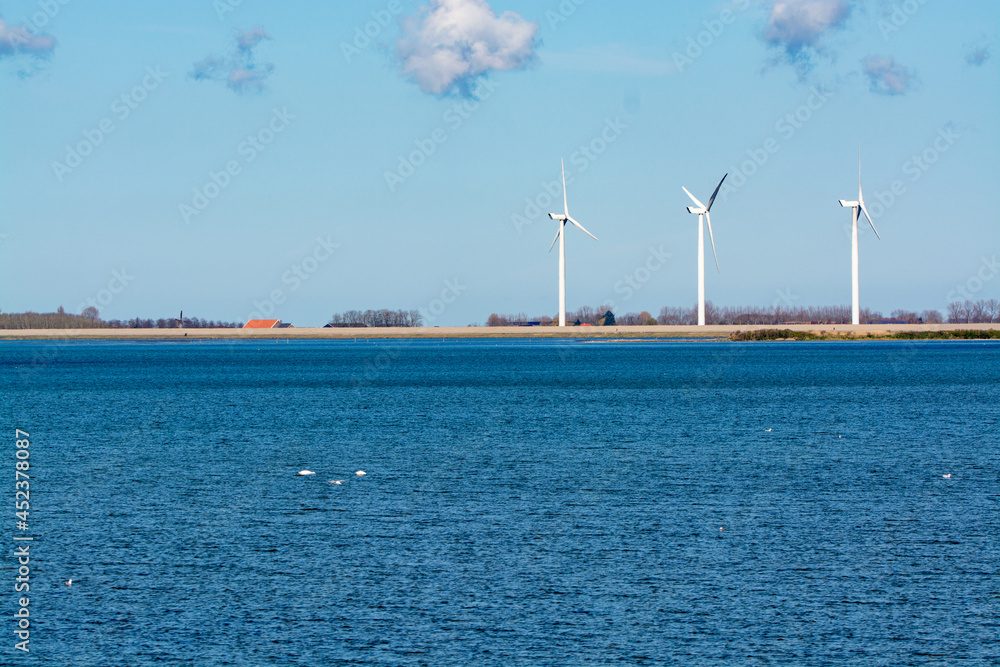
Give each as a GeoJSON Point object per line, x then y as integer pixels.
{"type": "Point", "coordinates": [559, 216]}
{"type": "Point", "coordinates": [848, 204]}
{"type": "Point", "coordinates": [702, 210]}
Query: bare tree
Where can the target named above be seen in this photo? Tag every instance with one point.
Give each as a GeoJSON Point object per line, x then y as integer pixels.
{"type": "Point", "coordinates": [712, 314]}
{"type": "Point", "coordinates": [978, 312]}
{"type": "Point", "coordinates": [674, 316]}
{"type": "Point", "coordinates": [992, 310]}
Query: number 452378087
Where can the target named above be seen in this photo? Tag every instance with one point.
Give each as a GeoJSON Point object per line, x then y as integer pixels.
{"type": "Point", "coordinates": [22, 484]}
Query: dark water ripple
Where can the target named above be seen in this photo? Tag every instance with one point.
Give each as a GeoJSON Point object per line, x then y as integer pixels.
{"type": "Point", "coordinates": [526, 503]}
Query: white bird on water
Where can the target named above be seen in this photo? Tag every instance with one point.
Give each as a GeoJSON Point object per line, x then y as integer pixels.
{"type": "Point", "coordinates": [338, 482]}
{"type": "Point", "coordinates": [69, 583]}
{"type": "Point", "coordinates": [361, 473]}
{"type": "Point", "coordinates": [948, 476]}
{"type": "Point", "coordinates": [768, 430]}
{"type": "Point", "coordinates": [302, 473]}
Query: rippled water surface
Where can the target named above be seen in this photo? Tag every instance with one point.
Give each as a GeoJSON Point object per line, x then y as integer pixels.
{"type": "Point", "coordinates": [525, 503]}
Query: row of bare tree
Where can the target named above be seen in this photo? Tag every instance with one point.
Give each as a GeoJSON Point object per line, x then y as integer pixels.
{"type": "Point", "coordinates": [90, 320]}
{"type": "Point", "coordinates": [958, 312]}
{"type": "Point", "coordinates": [59, 320]}
{"type": "Point", "coordinates": [170, 323]}
{"type": "Point", "coordinates": [978, 312]}
{"type": "Point", "coordinates": [737, 315]}
{"type": "Point", "coordinates": [377, 318]}
{"type": "Point", "coordinates": [585, 315]}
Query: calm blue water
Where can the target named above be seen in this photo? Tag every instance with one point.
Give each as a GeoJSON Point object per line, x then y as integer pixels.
{"type": "Point", "coordinates": [526, 503]}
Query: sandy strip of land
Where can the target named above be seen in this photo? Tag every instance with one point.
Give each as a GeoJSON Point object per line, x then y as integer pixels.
{"type": "Point", "coordinates": [707, 332]}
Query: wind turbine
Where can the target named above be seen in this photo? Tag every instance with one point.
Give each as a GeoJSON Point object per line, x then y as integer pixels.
{"type": "Point", "coordinates": [563, 218]}
{"type": "Point", "coordinates": [702, 211]}
{"type": "Point", "coordinates": [857, 206]}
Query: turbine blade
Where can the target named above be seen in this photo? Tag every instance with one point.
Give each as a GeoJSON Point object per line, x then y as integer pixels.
{"type": "Point", "coordinates": [580, 227]}
{"type": "Point", "coordinates": [565, 201]}
{"type": "Point", "coordinates": [861, 204]}
{"type": "Point", "coordinates": [708, 217]}
{"type": "Point", "coordinates": [557, 236]}
{"type": "Point", "coordinates": [710, 201]}
{"type": "Point", "coordinates": [693, 198]}
{"type": "Point", "coordinates": [859, 169]}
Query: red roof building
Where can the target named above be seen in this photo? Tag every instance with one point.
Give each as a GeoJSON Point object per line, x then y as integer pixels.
{"type": "Point", "coordinates": [262, 324]}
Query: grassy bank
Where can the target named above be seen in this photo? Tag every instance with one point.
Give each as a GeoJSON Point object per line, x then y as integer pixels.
{"type": "Point", "coordinates": [789, 334]}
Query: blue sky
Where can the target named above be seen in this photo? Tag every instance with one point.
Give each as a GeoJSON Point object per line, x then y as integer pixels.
{"type": "Point", "coordinates": [231, 158]}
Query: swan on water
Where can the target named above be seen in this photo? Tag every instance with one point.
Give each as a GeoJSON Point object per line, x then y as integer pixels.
{"type": "Point", "coordinates": [305, 472]}
{"type": "Point", "coordinates": [361, 473]}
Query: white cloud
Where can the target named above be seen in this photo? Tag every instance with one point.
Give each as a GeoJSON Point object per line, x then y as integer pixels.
{"type": "Point", "coordinates": [18, 40]}
{"type": "Point", "coordinates": [246, 41]}
{"type": "Point", "coordinates": [244, 80]}
{"type": "Point", "coordinates": [447, 45]}
{"type": "Point", "coordinates": [797, 25]}
{"type": "Point", "coordinates": [240, 71]}
{"type": "Point", "coordinates": [887, 77]}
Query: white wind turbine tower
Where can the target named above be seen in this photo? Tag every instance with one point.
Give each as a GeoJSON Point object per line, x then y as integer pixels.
{"type": "Point", "coordinates": [563, 218]}
{"type": "Point", "coordinates": [858, 208]}
{"type": "Point", "coordinates": [702, 211]}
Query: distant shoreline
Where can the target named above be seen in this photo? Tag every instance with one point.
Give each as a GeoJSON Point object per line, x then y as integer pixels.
{"type": "Point", "coordinates": [816, 331]}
